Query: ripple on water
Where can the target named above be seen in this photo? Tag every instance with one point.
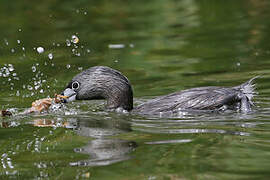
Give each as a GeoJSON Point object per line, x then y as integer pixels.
{"type": "Point", "coordinates": [170, 141]}
{"type": "Point", "coordinates": [202, 123]}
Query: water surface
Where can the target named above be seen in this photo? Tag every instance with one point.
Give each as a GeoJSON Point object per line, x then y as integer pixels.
{"type": "Point", "coordinates": [162, 47]}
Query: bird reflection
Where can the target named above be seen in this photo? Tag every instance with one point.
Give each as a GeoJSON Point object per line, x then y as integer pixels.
{"type": "Point", "coordinates": [105, 152]}
{"type": "Point", "coordinates": [99, 128]}
{"type": "Point", "coordinates": [102, 150]}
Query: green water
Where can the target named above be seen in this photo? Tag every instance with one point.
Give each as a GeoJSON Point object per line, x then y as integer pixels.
{"type": "Point", "coordinates": [165, 46]}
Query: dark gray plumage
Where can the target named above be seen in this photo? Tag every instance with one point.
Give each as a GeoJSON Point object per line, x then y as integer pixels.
{"type": "Point", "coordinates": [101, 82]}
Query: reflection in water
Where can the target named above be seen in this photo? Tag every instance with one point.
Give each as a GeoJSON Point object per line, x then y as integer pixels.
{"type": "Point", "coordinates": [70, 124]}
{"type": "Point", "coordinates": [102, 150]}
{"type": "Point", "coordinates": [8, 124]}
{"type": "Point", "coordinates": [99, 128]}
{"type": "Point", "coordinates": [105, 152]}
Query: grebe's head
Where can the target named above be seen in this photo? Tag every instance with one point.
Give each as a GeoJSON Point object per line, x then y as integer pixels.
{"type": "Point", "coordinates": [101, 82]}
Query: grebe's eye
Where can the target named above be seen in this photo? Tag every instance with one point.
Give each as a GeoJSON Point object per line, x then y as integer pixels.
{"type": "Point", "coordinates": [75, 85]}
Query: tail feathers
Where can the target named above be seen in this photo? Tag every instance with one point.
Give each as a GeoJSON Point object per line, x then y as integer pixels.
{"type": "Point", "coordinates": [249, 89]}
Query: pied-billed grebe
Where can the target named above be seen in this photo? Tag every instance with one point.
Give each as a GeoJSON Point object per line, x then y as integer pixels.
{"type": "Point", "coordinates": [102, 82]}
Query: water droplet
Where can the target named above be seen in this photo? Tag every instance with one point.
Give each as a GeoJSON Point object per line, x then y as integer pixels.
{"type": "Point", "coordinates": [74, 39]}
{"type": "Point", "coordinates": [40, 50]}
{"type": "Point", "coordinates": [37, 86]}
{"type": "Point", "coordinates": [6, 42]}
{"type": "Point", "coordinates": [68, 43]}
{"type": "Point", "coordinates": [18, 41]}
{"type": "Point", "coordinates": [29, 87]}
{"type": "Point", "coordinates": [50, 56]}
{"type": "Point", "coordinates": [23, 48]}
{"type": "Point", "coordinates": [116, 46]}
{"type": "Point", "coordinates": [34, 69]}
{"type": "Point", "coordinates": [10, 67]}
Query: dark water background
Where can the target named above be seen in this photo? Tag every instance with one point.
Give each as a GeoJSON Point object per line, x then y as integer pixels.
{"type": "Point", "coordinates": [165, 46]}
